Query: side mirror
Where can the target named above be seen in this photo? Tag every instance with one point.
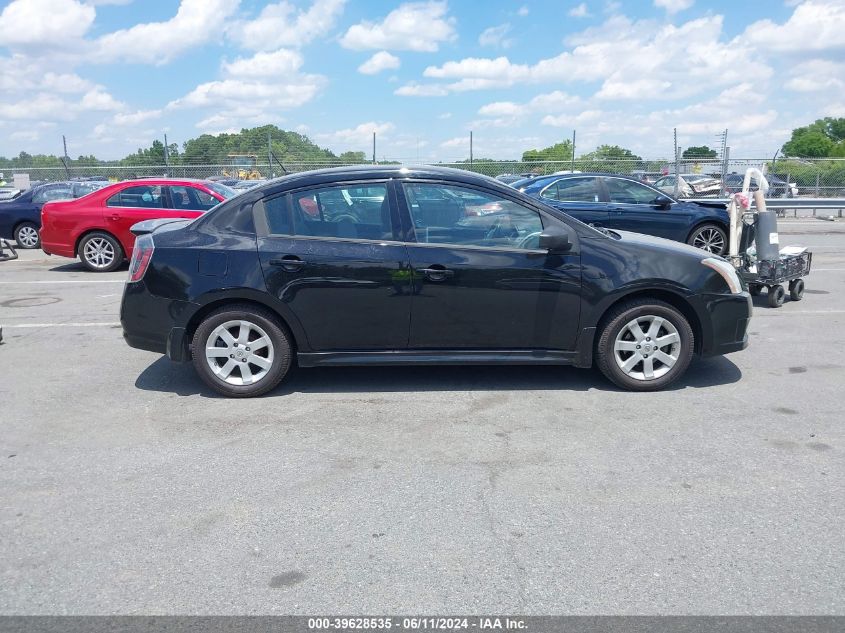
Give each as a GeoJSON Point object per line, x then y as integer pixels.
{"type": "Point", "coordinates": [556, 241]}
{"type": "Point", "coordinates": [662, 202]}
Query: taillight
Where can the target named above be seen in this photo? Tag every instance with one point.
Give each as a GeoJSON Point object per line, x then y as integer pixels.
{"type": "Point", "coordinates": [142, 254]}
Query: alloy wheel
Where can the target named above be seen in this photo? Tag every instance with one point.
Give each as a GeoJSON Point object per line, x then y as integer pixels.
{"type": "Point", "coordinates": [99, 252]}
{"type": "Point", "coordinates": [647, 347]}
{"type": "Point", "coordinates": [710, 240]}
{"type": "Point", "coordinates": [239, 352]}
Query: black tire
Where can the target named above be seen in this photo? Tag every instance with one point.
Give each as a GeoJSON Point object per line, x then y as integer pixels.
{"type": "Point", "coordinates": [110, 248]}
{"type": "Point", "coordinates": [709, 237]}
{"type": "Point", "coordinates": [280, 340]}
{"type": "Point", "coordinates": [755, 289]}
{"type": "Point", "coordinates": [776, 296]}
{"type": "Point", "coordinates": [616, 322]}
{"type": "Point", "coordinates": [796, 289]}
{"type": "Point", "coordinates": [24, 235]}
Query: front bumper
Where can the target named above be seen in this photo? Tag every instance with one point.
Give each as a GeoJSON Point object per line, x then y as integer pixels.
{"type": "Point", "coordinates": [724, 322]}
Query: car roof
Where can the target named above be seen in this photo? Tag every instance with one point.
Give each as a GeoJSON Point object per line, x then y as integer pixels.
{"type": "Point", "coordinates": [165, 180]}
{"type": "Point", "coordinates": [374, 172]}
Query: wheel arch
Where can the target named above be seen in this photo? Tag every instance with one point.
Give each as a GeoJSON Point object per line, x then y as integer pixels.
{"type": "Point", "coordinates": [209, 307]}
{"type": "Point", "coordinates": [88, 232]}
{"type": "Point", "coordinates": [677, 301]}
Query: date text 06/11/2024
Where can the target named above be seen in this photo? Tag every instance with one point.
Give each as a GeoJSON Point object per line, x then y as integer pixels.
{"type": "Point", "coordinates": [416, 623]}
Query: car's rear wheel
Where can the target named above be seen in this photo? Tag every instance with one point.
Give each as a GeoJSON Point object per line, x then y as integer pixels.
{"type": "Point", "coordinates": [26, 235]}
{"type": "Point", "coordinates": [100, 252]}
{"type": "Point", "coordinates": [241, 351]}
{"type": "Point", "coordinates": [645, 345]}
{"type": "Point", "coordinates": [711, 238]}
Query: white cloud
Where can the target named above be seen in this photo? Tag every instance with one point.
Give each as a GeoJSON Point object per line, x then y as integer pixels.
{"type": "Point", "coordinates": [253, 91]}
{"type": "Point", "coordinates": [813, 26]}
{"type": "Point", "coordinates": [280, 64]}
{"type": "Point", "coordinates": [673, 6]}
{"type": "Point", "coordinates": [415, 26]}
{"type": "Point", "coordinates": [580, 11]}
{"type": "Point", "coordinates": [44, 23]}
{"type": "Point", "coordinates": [282, 24]}
{"type": "Point", "coordinates": [379, 62]}
{"type": "Point", "coordinates": [523, 11]}
{"type": "Point", "coordinates": [817, 75]}
{"type": "Point", "coordinates": [444, 116]}
{"type": "Point", "coordinates": [495, 36]}
{"type": "Point", "coordinates": [357, 138]}
{"type": "Point", "coordinates": [195, 23]}
{"type": "Point", "coordinates": [135, 118]}
{"type": "Point", "coordinates": [628, 56]}
{"type": "Point", "coordinates": [414, 89]}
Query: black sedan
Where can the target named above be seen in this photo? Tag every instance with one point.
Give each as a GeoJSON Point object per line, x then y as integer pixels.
{"type": "Point", "coordinates": [377, 266]}
{"type": "Point", "coordinates": [619, 202]}
{"type": "Point", "coordinates": [20, 217]}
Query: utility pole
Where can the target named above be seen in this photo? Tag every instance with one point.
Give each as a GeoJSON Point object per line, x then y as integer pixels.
{"type": "Point", "coordinates": [166, 156]}
{"type": "Point", "coordinates": [269, 153]}
{"type": "Point", "coordinates": [374, 148]}
{"type": "Point", "coordinates": [470, 147]}
{"type": "Point", "coordinates": [677, 162]}
{"type": "Point", "coordinates": [64, 144]}
{"type": "Point", "coordinates": [572, 168]}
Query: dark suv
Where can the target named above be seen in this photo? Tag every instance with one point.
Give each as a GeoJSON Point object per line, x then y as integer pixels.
{"type": "Point", "coordinates": [390, 266]}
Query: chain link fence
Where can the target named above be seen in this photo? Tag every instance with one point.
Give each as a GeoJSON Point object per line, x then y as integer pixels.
{"type": "Point", "coordinates": [815, 178]}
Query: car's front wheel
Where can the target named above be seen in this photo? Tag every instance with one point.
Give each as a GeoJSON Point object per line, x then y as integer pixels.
{"type": "Point", "coordinates": [26, 235]}
{"type": "Point", "coordinates": [711, 238]}
{"type": "Point", "coordinates": [645, 345]}
{"type": "Point", "coordinates": [241, 351]}
{"type": "Point", "coordinates": [100, 252]}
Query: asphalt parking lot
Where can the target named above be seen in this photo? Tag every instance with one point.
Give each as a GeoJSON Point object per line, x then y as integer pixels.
{"type": "Point", "coordinates": [127, 486]}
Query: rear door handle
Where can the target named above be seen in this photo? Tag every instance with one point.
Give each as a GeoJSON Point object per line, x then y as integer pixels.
{"type": "Point", "coordinates": [114, 216]}
{"type": "Point", "coordinates": [437, 273]}
{"type": "Point", "coordinates": [288, 262]}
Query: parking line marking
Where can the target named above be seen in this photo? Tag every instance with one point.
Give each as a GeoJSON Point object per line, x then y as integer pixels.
{"type": "Point", "coordinates": [791, 312]}
{"type": "Point", "coordinates": [21, 326]}
{"type": "Point", "coordinates": [66, 281]}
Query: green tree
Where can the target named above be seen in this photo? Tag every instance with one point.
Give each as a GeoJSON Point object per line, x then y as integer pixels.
{"type": "Point", "coordinates": [353, 157]}
{"type": "Point", "coordinates": [610, 152]}
{"type": "Point", "coordinates": [699, 151]}
{"type": "Point", "coordinates": [558, 151]}
{"type": "Point", "coordinates": [823, 138]}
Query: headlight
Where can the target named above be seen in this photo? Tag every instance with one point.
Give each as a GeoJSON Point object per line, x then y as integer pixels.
{"type": "Point", "coordinates": [727, 271]}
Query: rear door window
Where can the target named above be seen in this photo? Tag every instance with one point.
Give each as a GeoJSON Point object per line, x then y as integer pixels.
{"type": "Point", "coordinates": [140, 196]}
{"type": "Point", "coordinates": [357, 211]}
{"type": "Point", "coordinates": [573, 190]}
{"type": "Point", "coordinates": [57, 192]}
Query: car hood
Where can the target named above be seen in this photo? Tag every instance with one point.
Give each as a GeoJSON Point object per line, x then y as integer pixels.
{"type": "Point", "coordinates": [640, 240]}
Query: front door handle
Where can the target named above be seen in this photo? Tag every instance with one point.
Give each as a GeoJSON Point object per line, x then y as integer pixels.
{"type": "Point", "coordinates": [436, 273]}
{"type": "Point", "coordinates": [291, 263]}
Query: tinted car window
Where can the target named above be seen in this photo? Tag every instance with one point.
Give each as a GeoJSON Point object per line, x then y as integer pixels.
{"type": "Point", "coordinates": [448, 214]}
{"type": "Point", "coordinates": [62, 192]}
{"type": "Point", "coordinates": [190, 199]}
{"type": "Point", "coordinates": [573, 190]}
{"type": "Point", "coordinates": [350, 211]}
{"type": "Point", "coordinates": [629, 192]}
{"type": "Point", "coordinates": [144, 196]}
{"type": "Point", "coordinates": [278, 218]}
{"type": "Point", "coordinates": [223, 190]}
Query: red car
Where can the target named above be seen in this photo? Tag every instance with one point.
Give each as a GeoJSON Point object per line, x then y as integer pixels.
{"type": "Point", "coordinates": [95, 228]}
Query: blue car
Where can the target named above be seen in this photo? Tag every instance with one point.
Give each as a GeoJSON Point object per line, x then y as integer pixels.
{"type": "Point", "coordinates": [20, 217]}
{"type": "Point", "coordinates": [619, 202]}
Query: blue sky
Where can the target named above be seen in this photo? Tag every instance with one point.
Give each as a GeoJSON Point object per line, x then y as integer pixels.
{"type": "Point", "coordinates": [112, 75]}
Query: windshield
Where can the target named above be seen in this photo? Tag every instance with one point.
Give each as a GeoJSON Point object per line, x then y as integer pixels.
{"type": "Point", "coordinates": [223, 190]}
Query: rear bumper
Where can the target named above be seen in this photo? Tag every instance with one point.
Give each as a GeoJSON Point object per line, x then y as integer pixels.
{"type": "Point", "coordinates": [54, 248]}
{"type": "Point", "coordinates": [155, 324]}
{"type": "Point", "coordinates": [724, 322]}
